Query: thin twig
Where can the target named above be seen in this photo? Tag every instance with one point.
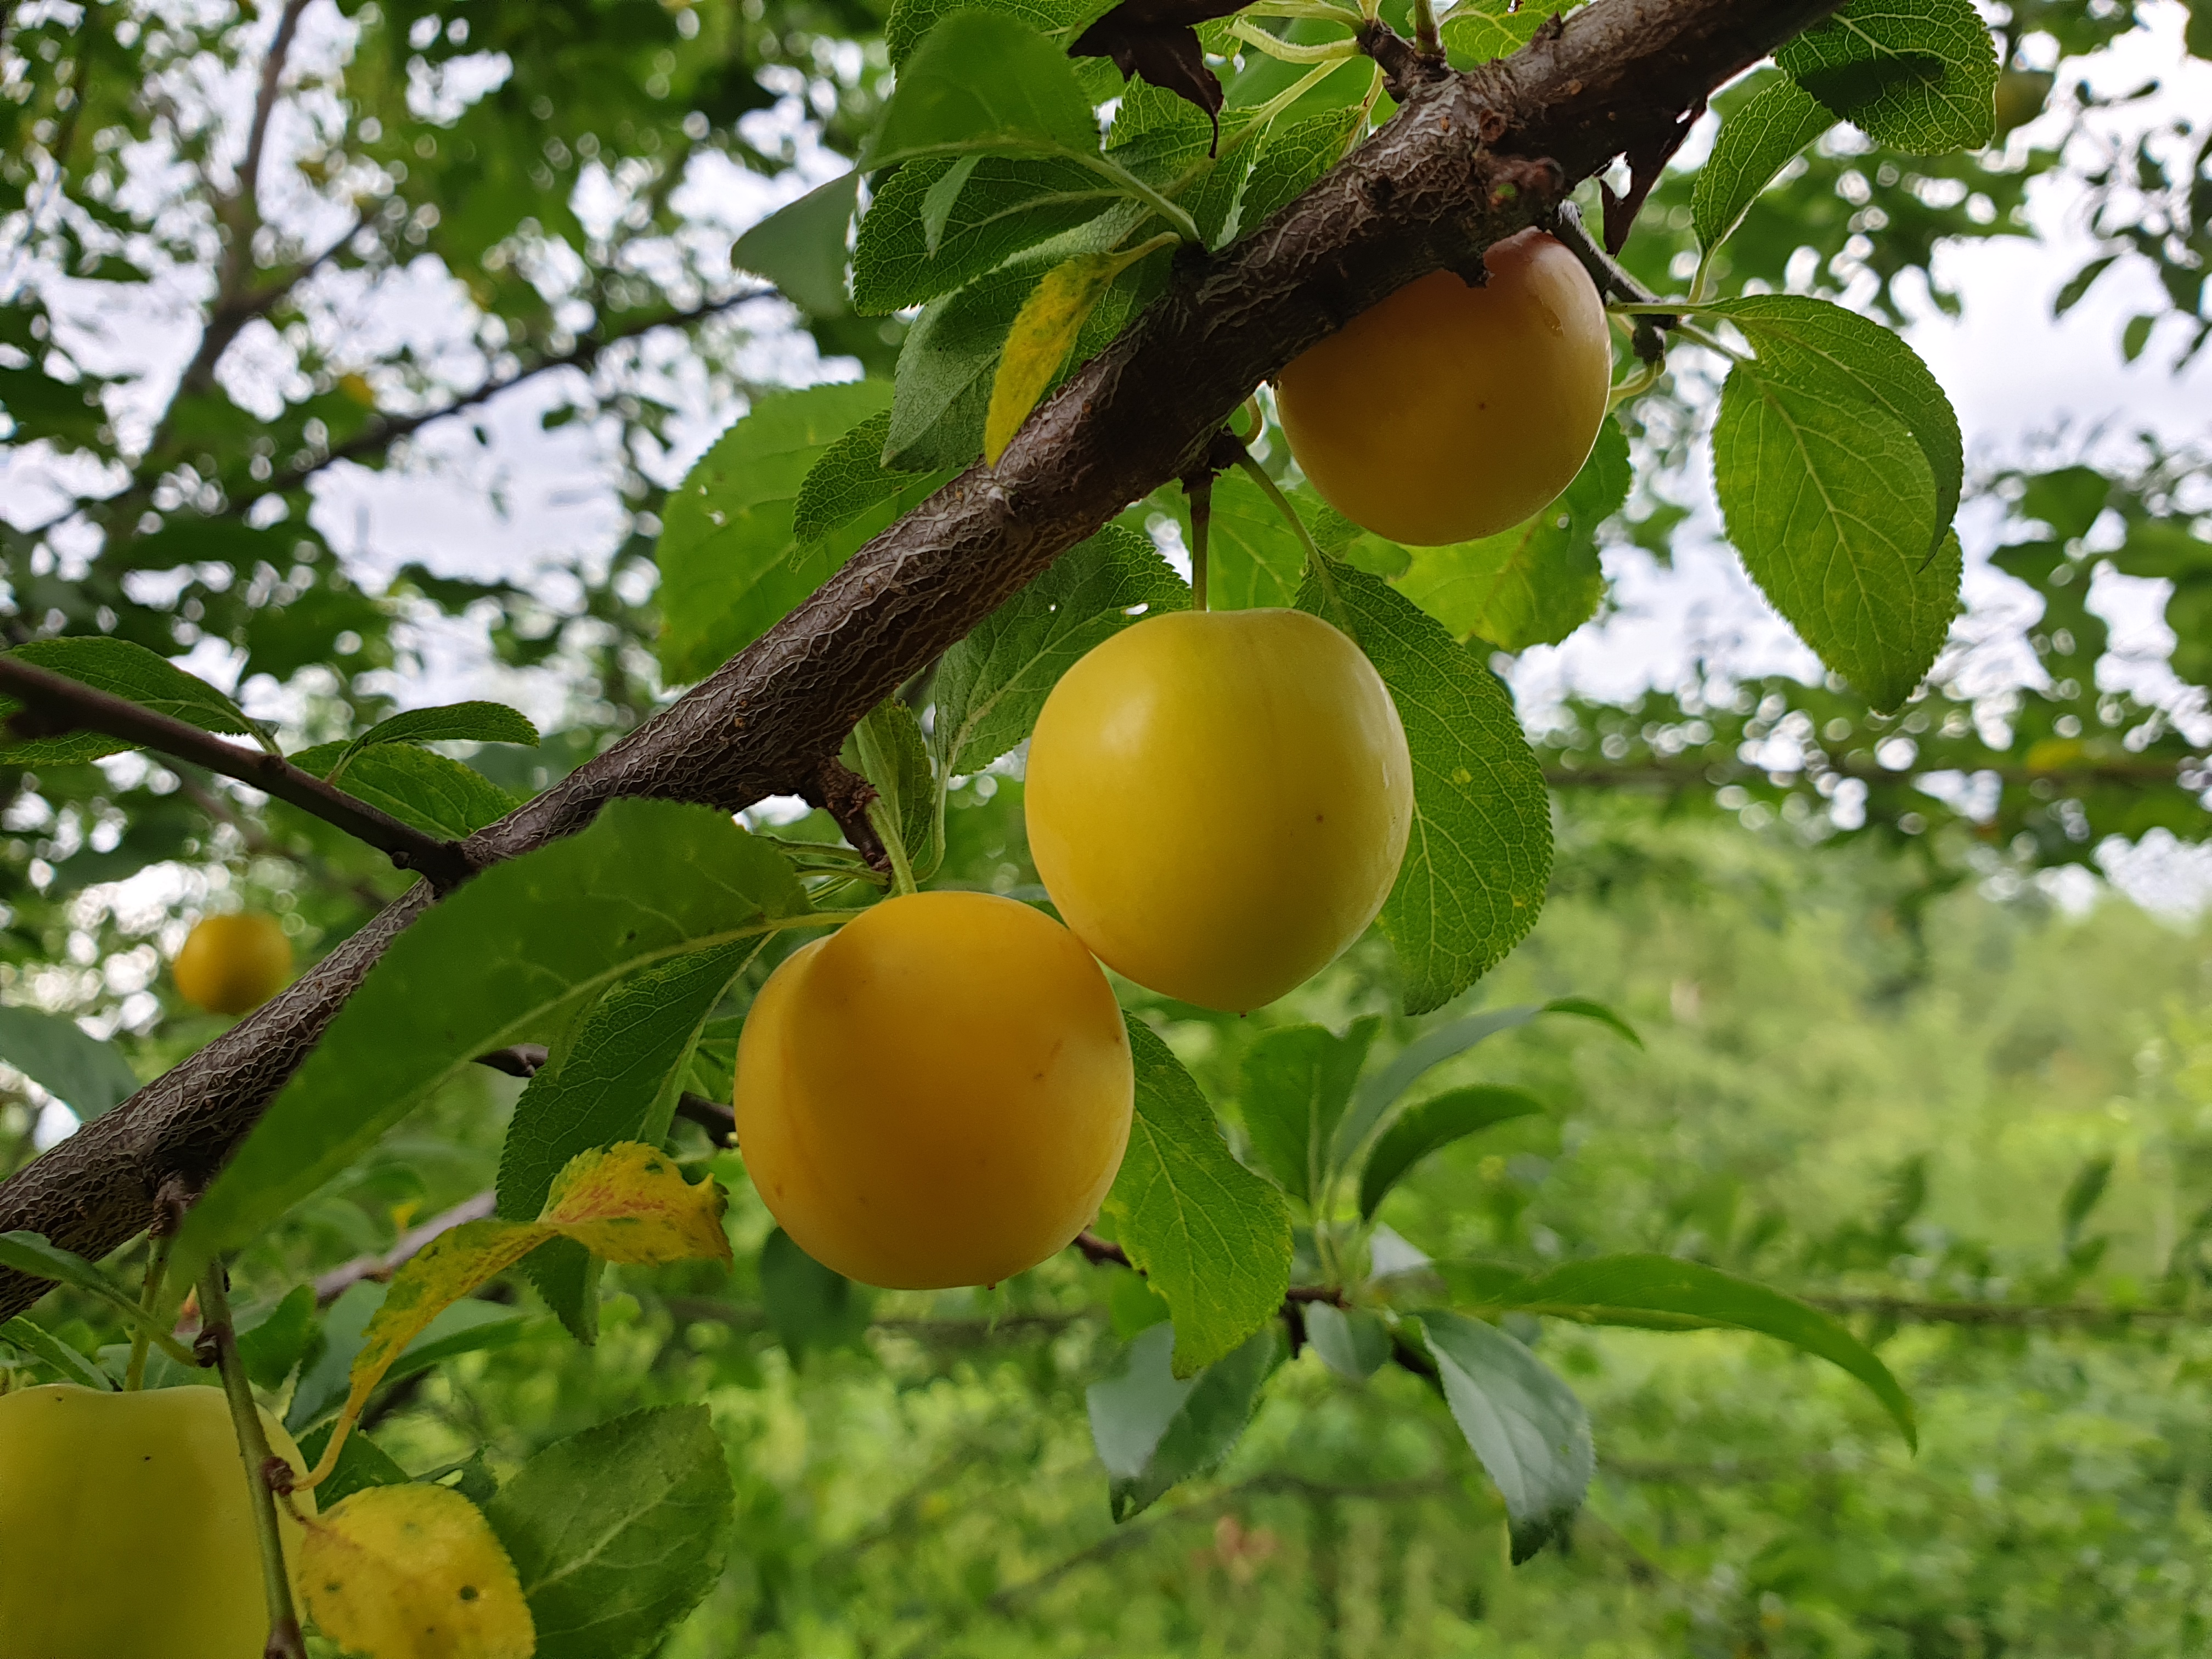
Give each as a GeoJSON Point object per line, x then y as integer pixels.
{"type": "Point", "coordinates": [380, 1267]}
{"type": "Point", "coordinates": [219, 1343]}
{"type": "Point", "coordinates": [53, 703]}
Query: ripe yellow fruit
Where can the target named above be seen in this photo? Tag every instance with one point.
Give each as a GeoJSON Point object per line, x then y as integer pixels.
{"type": "Point", "coordinates": [1218, 801]}
{"type": "Point", "coordinates": [938, 1094]}
{"type": "Point", "coordinates": [232, 964]}
{"type": "Point", "coordinates": [124, 1526]}
{"type": "Point", "coordinates": [1447, 412]}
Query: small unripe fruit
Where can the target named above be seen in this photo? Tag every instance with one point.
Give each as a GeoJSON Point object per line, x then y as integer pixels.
{"type": "Point", "coordinates": [232, 964]}
{"type": "Point", "coordinates": [125, 1526]}
{"type": "Point", "coordinates": [1218, 801]}
{"type": "Point", "coordinates": [938, 1094]}
{"type": "Point", "coordinates": [1446, 412]}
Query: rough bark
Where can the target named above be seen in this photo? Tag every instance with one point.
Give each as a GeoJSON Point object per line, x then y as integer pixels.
{"type": "Point", "coordinates": [1469, 158]}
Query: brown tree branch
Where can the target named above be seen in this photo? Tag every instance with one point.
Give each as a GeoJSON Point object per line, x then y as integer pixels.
{"type": "Point", "coordinates": [54, 703]}
{"type": "Point", "coordinates": [1468, 159]}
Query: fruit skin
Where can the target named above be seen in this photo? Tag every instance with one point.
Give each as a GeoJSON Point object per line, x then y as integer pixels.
{"type": "Point", "coordinates": [938, 1094]}
{"type": "Point", "coordinates": [124, 1526]}
{"type": "Point", "coordinates": [1218, 801]}
{"type": "Point", "coordinates": [232, 964]}
{"type": "Point", "coordinates": [1446, 412]}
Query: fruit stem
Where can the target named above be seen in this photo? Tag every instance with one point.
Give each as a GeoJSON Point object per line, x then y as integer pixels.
{"type": "Point", "coordinates": [1315, 563]}
{"type": "Point", "coordinates": [1198, 488]}
{"type": "Point", "coordinates": [285, 1641]}
{"type": "Point", "coordinates": [149, 1298]}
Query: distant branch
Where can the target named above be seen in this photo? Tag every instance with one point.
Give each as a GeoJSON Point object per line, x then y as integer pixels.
{"type": "Point", "coordinates": [2007, 1315]}
{"type": "Point", "coordinates": [54, 703]}
{"type": "Point", "coordinates": [525, 1060]}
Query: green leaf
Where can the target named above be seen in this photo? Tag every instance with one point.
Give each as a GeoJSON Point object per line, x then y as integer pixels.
{"type": "Point", "coordinates": [992, 686]}
{"type": "Point", "coordinates": [1351, 1341]}
{"type": "Point", "coordinates": [361, 1464]}
{"type": "Point", "coordinates": [2070, 500]}
{"type": "Point", "coordinates": [35, 1254]}
{"type": "Point", "coordinates": [800, 247]}
{"type": "Point", "coordinates": [732, 564]}
{"type": "Point", "coordinates": [618, 1532]}
{"type": "Point", "coordinates": [1537, 582]}
{"type": "Point", "coordinates": [1292, 155]}
{"type": "Point", "coordinates": [1006, 205]}
{"type": "Point", "coordinates": [1480, 852]}
{"type": "Point", "coordinates": [1663, 1292]}
{"type": "Point", "coordinates": [498, 961]}
{"type": "Point", "coordinates": [52, 1351]}
{"type": "Point", "coordinates": [435, 793]}
{"type": "Point", "coordinates": [87, 1075]}
{"type": "Point", "coordinates": [279, 1339]}
{"type": "Point", "coordinates": [467, 1326]}
{"type": "Point", "coordinates": [1155, 1427]}
{"type": "Point", "coordinates": [1830, 501]}
{"type": "Point", "coordinates": [1254, 560]}
{"type": "Point", "coordinates": [1756, 141]}
{"type": "Point", "coordinates": [1823, 348]}
{"type": "Point", "coordinates": [981, 82]}
{"type": "Point", "coordinates": [1037, 342]}
{"type": "Point", "coordinates": [1297, 1081]}
{"type": "Point", "coordinates": [455, 722]}
{"type": "Point", "coordinates": [1524, 1423]}
{"type": "Point", "coordinates": [887, 748]}
{"type": "Point", "coordinates": [1213, 1237]}
{"type": "Point", "coordinates": [848, 479]}
{"type": "Point", "coordinates": [1482, 30]}
{"type": "Point", "coordinates": [122, 670]}
{"type": "Point", "coordinates": [911, 20]}
{"type": "Point", "coordinates": [1431, 1125]}
{"type": "Point", "coordinates": [1915, 74]}
{"type": "Point", "coordinates": [1381, 1090]}
{"type": "Point", "coordinates": [615, 1077]}
{"type": "Point", "coordinates": [809, 1306]}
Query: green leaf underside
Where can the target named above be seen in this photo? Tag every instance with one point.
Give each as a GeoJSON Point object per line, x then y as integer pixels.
{"type": "Point", "coordinates": [1755, 142]}
{"type": "Point", "coordinates": [846, 480]}
{"type": "Point", "coordinates": [361, 1464]}
{"type": "Point", "coordinates": [122, 670]}
{"type": "Point", "coordinates": [1915, 74]}
{"type": "Point", "coordinates": [1525, 1424]}
{"type": "Point", "coordinates": [616, 1078]}
{"type": "Point", "coordinates": [454, 722]}
{"type": "Point", "coordinates": [52, 1351]}
{"type": "Point", "coordinates": [493, 964]}
{"type": "Point", "coordinates": [618, 1532]}
{"type": "Point", "coordinates": [1154, 1428]}
{"type": "Point", "coordinates": [982, 81]}
{"type": "Point", "coordinates": [1353, 1342]}
{"type": "Point", "coordinates": [811, 1308]}
{"type": "Point", "coordinates": [1297, 1081]}
{"type": "Point", "coordinates": [910, 21]}
{"type": "Point", "coordinates": [731, 565]}
{"type": "Point", "coordinates": [429, 792]}
{"type": "Point", "coordinates": [469, 1326]}
{"type": "Point", "coordinates": [1381, 1091]}
{"type": "Point", "coordinates": [1293, 154]}
{"type": "Point", "coordinates": [887, 748]}
{"type": "Point", "coordinates": [1478, 33]}
{"type": "Point", "coordinates": [1213, 1237]}
{"type": "Point", "coordinates": [1537, 582]}
{"type": "Point", "coordinates": [800, 247]}
{"type": "Point", "coordinates": [82, 1073]}
{"type": "Point", "coordinates": [1005, 206]}
{"type": "Point", "coordinates": [274, 1343]}
{"type": "Point", "coordinates": [1663, 1292]}
{"type": "Point", "coordinates": [1822, 347]}
{"type": "Point", "coordinates": [1254, 560]}
{"type": "Point", "coordinates": [1481, 852]}
{"type": "Point", "coordinates": [1831, 502]}
{"type": "Point", "coordinates": [1431, 1125]}
{"type": "Point", "coordinates": [992, 684]}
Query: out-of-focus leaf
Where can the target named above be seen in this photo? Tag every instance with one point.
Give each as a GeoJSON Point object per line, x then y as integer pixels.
{"type": "Point", "coordinates": [82, 1073]}
{"type": "Point", "coordinates": [800, 247]}
{"type": "Point", "coordinates": [1155, 1427]}
{"type": "Point", "coordinates": [1432, 1125]}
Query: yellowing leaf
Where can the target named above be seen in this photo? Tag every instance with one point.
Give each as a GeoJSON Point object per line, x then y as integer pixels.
{"type": "Point", "coordinates": [627, 1203]}
{"type": "Point", "coordinates": [413, 1572]}
{"type": "Point", "coordinates": [1043, 332]}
